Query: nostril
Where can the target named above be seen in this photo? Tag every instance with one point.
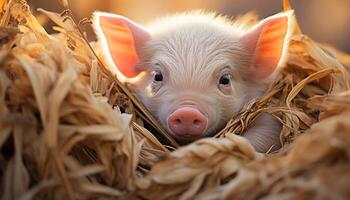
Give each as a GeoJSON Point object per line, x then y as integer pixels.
{"type": "Point", "coordinates": [196, 122]}
{"type": "Point", "coordinates": [177, 121]}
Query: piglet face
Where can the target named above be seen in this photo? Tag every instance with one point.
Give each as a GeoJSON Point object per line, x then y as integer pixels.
{"type": "Point", "coordinates": [192, 82]}
{"type": "Point", "coordinates": [193, 72]}
{"type": "Point", "coordinates": [191, 110]}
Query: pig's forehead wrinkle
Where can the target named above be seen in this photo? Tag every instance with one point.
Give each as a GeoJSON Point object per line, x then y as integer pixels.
{"type": "Point", "coordinates": [205, 19]}
{"type": "Point", "coordinates": [189, 55]}
{"type": "Point", "coordinates": [192, 46]}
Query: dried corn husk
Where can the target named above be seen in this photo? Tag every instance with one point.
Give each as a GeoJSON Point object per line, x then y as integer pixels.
{"type": "Point", "coordinates": [68, 129]}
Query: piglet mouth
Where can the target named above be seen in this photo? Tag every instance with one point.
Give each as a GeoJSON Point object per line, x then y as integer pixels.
{"type": "Point", "coordinates": [186, 136]}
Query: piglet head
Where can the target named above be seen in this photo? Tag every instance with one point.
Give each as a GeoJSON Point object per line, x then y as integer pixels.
{"type": "Point", "coordinates": [193, 72]}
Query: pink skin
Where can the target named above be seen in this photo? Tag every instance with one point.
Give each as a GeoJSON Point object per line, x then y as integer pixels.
{"type": "Point", "coordinates": [187, 122]}
{"type": "Point", "coordinates": [194, 72]}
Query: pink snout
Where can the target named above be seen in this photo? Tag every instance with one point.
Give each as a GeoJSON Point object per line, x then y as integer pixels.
{"type": "Point", "coordinates": [187, 122]}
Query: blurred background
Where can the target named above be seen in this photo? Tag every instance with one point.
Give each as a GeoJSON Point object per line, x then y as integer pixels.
{"type": "Point", "coordinates": [326, 21]}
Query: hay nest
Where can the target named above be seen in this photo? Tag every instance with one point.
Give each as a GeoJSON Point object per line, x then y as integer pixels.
{"type": "Point", "coordinates": [68, 129]}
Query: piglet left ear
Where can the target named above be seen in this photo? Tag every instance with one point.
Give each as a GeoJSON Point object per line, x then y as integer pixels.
{"type": "Point", "coordinates": [121, 40]}
{"type": "Point", "coordinates": [266, 43]}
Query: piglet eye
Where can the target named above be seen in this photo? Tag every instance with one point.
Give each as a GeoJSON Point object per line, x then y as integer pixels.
{"type": "Point", "coordinates": [224, 79]}
{"type": "Point", "coordinates": [158, 76]}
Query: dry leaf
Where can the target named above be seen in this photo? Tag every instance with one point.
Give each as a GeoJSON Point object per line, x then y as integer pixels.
{"type": "Point", "coordinates": [68, 129]}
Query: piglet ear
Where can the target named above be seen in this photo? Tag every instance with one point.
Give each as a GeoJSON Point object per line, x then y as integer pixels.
{"type": "Point", "coordinates": [266, 43]}
{"type": "Point", "coordinates": [121, 41]}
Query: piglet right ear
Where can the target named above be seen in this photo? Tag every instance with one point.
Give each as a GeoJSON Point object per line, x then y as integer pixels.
{"type": "Point", "coordinates": [121, 41]}
{"type": "Point", "coordinates": [267, 43]}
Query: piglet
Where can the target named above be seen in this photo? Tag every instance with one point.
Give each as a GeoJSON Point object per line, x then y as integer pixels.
{"type": "Point", "coordinates": [195, 71]}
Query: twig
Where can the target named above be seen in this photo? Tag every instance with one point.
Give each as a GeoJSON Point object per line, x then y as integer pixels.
{"type": "Point", "coordinates": [63, 174]}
